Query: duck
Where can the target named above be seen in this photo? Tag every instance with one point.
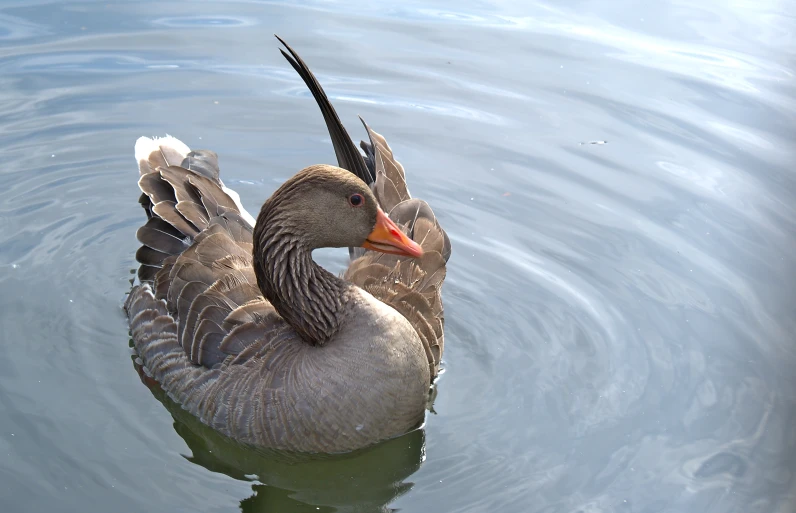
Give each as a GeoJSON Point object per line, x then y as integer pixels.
{"type": "Point", "coordinates": [235, 321]}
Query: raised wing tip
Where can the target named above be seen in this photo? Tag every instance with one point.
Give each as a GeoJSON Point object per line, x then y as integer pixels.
{"type": "Point", "coordinates": [348, 156]}
{"type": "Point", "coordinates": [289, 49]}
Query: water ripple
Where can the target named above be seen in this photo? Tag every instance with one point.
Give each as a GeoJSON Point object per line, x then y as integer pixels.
{"type": "Point", "coordinates": [619, 317]}
{"type": "Point", "coordinates": [13, 28]}
{"type": "Point", "coordinates": [204, 21]}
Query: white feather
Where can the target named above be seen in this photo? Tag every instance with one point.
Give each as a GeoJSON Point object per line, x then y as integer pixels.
{"type": "Point", "coordinates": [144, 146]}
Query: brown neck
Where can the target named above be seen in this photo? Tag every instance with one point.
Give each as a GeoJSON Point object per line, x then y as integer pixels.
{"type": "Point", "coordinates": [307, 296]}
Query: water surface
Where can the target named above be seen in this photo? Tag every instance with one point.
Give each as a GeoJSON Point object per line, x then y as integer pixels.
{"type": "Point", "coordinates": [617, 180]}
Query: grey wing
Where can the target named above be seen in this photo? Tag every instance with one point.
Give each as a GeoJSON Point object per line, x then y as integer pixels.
{"type": "Point", "coordinates": [196, 258]}
{"type": "Point", "coordinates": [411, 286]}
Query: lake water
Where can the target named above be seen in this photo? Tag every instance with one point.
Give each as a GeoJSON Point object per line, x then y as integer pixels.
{"type": "Point", "coordinates": [617, 179]}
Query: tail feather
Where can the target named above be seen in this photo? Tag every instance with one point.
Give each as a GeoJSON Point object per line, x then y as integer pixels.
{"type": "Point", "coordinates": [157, 190]}
{"type": "Point", "coordinates": [159, 235]}
{"type": "Point", "coordinates": [149, 256]}
{"type": "Point", "coordinates": [191, 187]}
{"type": "Point", "coordinates": [203, 162]}
{"type": "Point", "coordinates": [159, 152]}
{"type": "Point", "coordinates": [167, 210]}
{"type": "Point", "coordinates": [147, 272]}
{"type": "Point", "coordinates": [195, 212]}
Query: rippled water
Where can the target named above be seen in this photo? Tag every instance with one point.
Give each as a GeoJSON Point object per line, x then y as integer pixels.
{"type": "Point", "coordinates": [617, 179]}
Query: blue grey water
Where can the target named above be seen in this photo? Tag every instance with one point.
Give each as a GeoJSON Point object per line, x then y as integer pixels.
{"type": "Point", "coordinates": [618, 182]}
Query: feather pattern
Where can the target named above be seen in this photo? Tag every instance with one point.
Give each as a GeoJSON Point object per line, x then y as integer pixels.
{"type": "Point", "coordinates": [204, 330]}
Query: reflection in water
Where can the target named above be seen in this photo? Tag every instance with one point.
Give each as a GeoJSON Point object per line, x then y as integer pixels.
{"type": "Point", "coordinates": [364, 480]}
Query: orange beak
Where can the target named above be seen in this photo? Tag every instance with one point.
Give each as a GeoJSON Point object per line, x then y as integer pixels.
{"type": "Point", "coordinates": [386, 237]}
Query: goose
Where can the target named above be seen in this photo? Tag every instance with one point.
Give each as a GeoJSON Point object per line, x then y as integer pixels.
{"type": "Point", "coordinates": [235, 321]}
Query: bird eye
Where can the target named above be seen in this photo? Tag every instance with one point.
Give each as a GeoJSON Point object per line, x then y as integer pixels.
{"type": "Point", "coordinates": [356, 200]}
